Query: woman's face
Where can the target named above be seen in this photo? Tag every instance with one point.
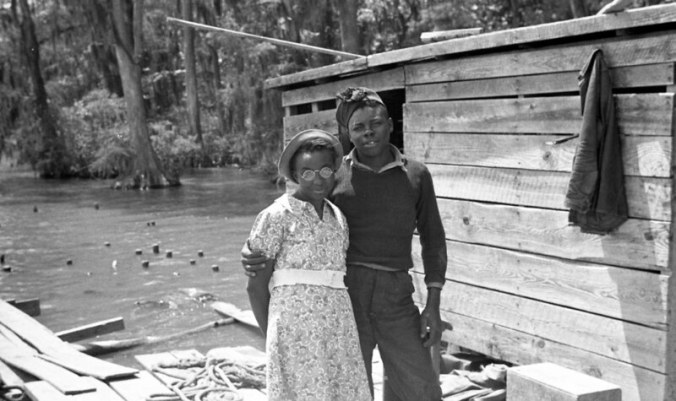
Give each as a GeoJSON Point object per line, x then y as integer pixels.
{"type": "Point", "coordinates": [317, 188]}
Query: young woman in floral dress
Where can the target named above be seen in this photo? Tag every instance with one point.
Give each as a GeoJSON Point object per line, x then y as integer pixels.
{"type": "Point", "coordinates": [300, 301]}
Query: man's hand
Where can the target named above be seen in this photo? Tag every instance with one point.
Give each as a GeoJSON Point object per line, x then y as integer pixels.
{"type": "Point", "coordinates": [430, 319]}
{"type": "Point", "coordinates": [252, 261]}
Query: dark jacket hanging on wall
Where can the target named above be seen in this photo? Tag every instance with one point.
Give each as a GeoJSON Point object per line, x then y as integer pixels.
{"type": "Point", "coordinates": [596, 195]}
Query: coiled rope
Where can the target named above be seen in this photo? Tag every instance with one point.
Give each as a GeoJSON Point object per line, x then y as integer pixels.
{"type": "Point", "coordinates": [209, 380]}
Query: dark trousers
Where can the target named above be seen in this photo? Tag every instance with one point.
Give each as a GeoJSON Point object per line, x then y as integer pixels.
{"type": "Point", "coordinates": [387, 317]}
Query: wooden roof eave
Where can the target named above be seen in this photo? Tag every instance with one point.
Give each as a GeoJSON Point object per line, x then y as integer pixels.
{"type": "Point", "coordinates": [633, 18]}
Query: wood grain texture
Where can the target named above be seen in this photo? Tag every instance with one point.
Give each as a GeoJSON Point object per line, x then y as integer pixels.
{"type": "Point", "coordinates": [647, 197]}
{"type": "Point", "coordinates": [661, 74]}
{"type": "Point", "coordinates": [647, 156]}
{"type": "Point", "coordinates": [618, 52]}
{"type": "Point", "coordinates": [637, 114]}
{"type": "Point", "coordinates": [637, 244]}
{"type": "Point", "coordinates": [55, 350]}
{"type": "Point", "coordinates": [630, 295]}
{"type": "Point", "coordinates": [519, 347]}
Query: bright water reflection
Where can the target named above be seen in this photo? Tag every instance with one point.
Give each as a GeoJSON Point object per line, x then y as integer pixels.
{"type": "Point", "coordinates": [44, 224]}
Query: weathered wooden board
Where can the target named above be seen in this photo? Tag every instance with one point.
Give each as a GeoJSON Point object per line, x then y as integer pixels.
{"type": "Point", "coordinates": [647, 197]}
{"type": "Point", "coordinates": [43, 391]}
{"type": "Point", "coordinates": [55, 350]}
{"type": "Point", "coordinates": [637, 384]}
{"type": "Point", "coordinates": [618, 52]}
{"type": "Point", "coordinates": [92, 330]}
{"type": "Point", "coordinates": [661, 74]}
{"type": "Point", "coordinates": [638, 244]}
{"type": "Point", "coordinates": [338, 69]}
{"type": "Point", "coordinates": [612, 338]}
{"type": "Point", "coordinates": [141, 387]}
{"type": "Point", "coordinates": [8, 377]}
{"type": "Point", "coordinates": [31, 307]}
{"type": "Point", "coordinates": [230, 310]}
{"type": "Point", "coordinates": [20, 356]}
{"type": "Point", "coordinates": [637, 114]}
{"type": "Point", "coordinates": [549, 381]}
{"type": "Point", "coordinates": [378, 81]}
{"type": "Point", "coordinates": [533, 35]}
{"type": "Point", "coordinates": [631, 295]}
{"type": "Point", "coordinates": [647, 156]}
{"type": "Point", "coordinates": [519, 347]}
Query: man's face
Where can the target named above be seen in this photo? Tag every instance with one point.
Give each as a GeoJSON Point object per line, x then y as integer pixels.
{"type": "Point", "coordinates": [370, 129]}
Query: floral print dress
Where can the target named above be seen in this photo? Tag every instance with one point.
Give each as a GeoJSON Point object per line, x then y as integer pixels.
{"type": "Point", "coordinates": [312, 342]}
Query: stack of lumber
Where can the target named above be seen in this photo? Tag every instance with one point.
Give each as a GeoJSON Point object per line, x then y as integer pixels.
{"type": "Point", "coordinates": [37, 361]}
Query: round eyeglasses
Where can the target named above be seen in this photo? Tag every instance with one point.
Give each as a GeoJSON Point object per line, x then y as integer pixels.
{"type": "Point", "coordinates": [324, 172]}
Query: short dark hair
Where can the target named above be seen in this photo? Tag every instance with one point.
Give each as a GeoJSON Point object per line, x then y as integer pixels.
{"type": "Point", "coordinates": [313, 145]}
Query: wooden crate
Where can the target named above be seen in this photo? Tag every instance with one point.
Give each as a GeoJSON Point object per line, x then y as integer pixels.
{"type": "Point", "coordinates": [487, 114]}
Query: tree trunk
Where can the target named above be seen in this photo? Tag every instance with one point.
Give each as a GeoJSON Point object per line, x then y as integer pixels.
{"type": "Point", "coordinates": [578, 8]}
{"type": "Point", "coordinates": [349, 30]}
{"type": "Point", "coordinates": [146, 171]}
{"type": "Point", "coordinates": [52, 160]}
{"type": "Point", "coordinates": [192, 102]}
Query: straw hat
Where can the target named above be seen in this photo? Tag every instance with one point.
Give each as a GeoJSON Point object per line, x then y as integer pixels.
{"type": "Point", "coordinates": [301, 138]}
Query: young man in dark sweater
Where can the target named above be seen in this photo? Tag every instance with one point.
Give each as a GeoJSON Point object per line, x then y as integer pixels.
{"type": "Point", "coordinates": [385, 197]}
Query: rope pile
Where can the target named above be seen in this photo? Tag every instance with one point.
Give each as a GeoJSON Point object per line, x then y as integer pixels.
{"type": "Point", "coordinates": [209, 380]}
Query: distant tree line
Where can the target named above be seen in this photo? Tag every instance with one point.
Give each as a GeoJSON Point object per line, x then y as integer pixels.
{"type": "Point", "coordinates": [109, 88]}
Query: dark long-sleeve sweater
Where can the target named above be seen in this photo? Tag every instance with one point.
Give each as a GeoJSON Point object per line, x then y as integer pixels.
{"type": "Point", "coordinates": [384, 208]}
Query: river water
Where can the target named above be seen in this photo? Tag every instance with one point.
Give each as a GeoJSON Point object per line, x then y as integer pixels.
{"type": "Point", "coordinates": [73, 244]}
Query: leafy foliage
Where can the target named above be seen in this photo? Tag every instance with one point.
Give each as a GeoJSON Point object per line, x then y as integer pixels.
{"type": "Point", "coordinates": [241, 122]}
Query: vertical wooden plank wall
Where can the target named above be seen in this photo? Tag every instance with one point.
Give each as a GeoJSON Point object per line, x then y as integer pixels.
{"type": "Point", "coordinates": [522, 285]}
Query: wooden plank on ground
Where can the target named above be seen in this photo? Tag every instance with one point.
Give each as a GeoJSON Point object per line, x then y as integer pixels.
{"type": "Point", "coordinates": [548, 381]}
{"type": "Point", "coordinates": [514, 346]}
{"type": "Point", "coordinates": [661, 74]}
{"type": "Point", "coordinates": [140, 387]}
{"type": "Point", "coordinates": [632, 295]}
{"type": "Point", "coordinates": [24, 358]}
{"type": "Point", "coordinates": [55, 350]}
{"type": "Point", "coordinates": [637, 114]}
{"type": "Point", "coordinates": [229, 310]}
{"type": "Point", "coordinates": [637, 244]}
{"type": "Point", "coordinates": [647, 156]}
{"type": "Point", "coordinates": [534, 35]}
{"type": "Point", "coordinates": [8, 377]}
{"type": "Point", "coordinates": [43, 391]}
{"type": "Point", "coordinates": [378, 81]}
{"type": "Point", "coordinates": [647, 197]}
{"type": "Point", "coordinates": [92, 330]}
{"type": "Point", "coordinates": [31, 307]}
{"type": "Point", "coordinates": [618, 52]}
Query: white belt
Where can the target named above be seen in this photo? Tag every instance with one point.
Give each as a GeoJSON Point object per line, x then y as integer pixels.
{"type": "Point", "coordinates": [327, 278]}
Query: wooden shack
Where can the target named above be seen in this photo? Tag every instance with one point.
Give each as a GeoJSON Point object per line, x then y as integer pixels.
{"type": "Point", "coordinates": [493, 117]}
